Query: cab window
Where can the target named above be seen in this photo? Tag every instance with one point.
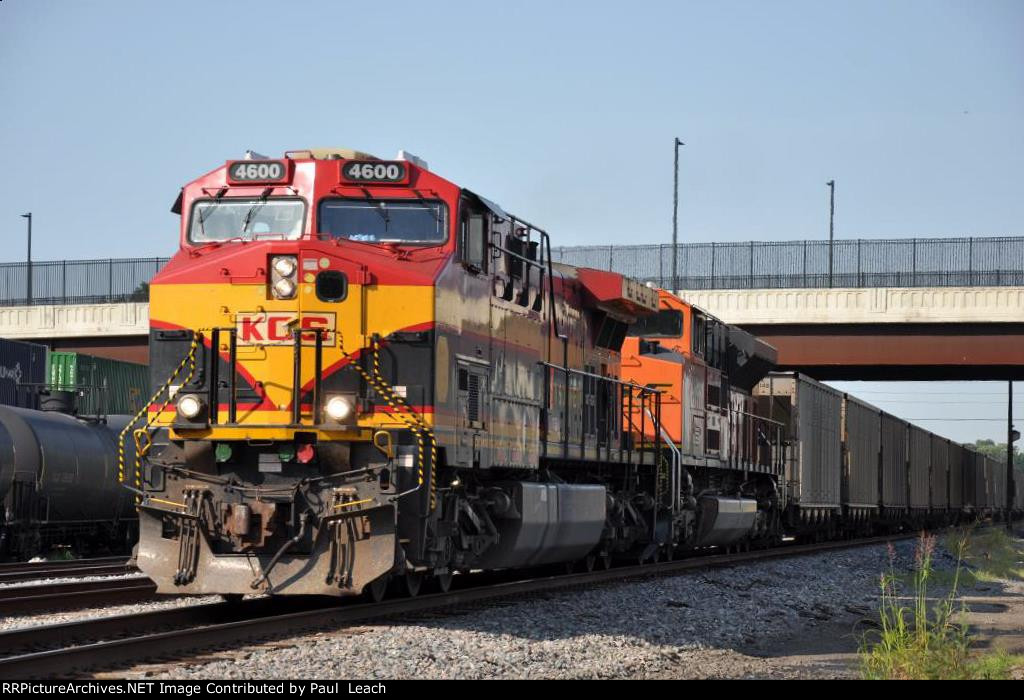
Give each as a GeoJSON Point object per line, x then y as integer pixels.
{"type": "Point", "coordinates": [473, 237]}
{"type": "Point", "coordinates": [246, 219]}
{"type": "Point", "coordinates": [698, 335]}
{"type": "Point", "coordinates": [667, 323]}
{"type": "Point", "coordinates": [404, 221]}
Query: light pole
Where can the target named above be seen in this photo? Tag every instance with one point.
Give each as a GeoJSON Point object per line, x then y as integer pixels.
{"type": "Point", "coordinates": [675, 222]}
{"type": "Point", "coordinates": [1011, 437]}
{"type": "Point", "coordinates": [28, 278]}
{"type": "Point", "coordinates": [831, 225]}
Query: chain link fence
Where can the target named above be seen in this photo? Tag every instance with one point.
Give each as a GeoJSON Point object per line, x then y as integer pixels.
{"type": "Point", "coordinates": [77, 281]}
{"type": "Point", "coordinates": [908, 262]}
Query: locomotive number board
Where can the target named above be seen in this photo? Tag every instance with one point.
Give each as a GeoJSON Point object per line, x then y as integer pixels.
{"type": "Point", "coordinates": [391, 172]}
{"type": "Point", "coordinates": [256, 171]}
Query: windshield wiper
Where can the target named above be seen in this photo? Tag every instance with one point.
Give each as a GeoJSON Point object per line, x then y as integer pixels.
{"type": "Point", "coordinates": [248, 215]}
{"type": "Point", "coordinates": [381, 210]}
{"type": "Point", "coordinates": [209, 210]}
{"type": "Point", "coordinates": [252, 210]}
{"type": "Point", "coordinates": [425, 204]}
{"type": "Point", "coordinates": [204, 215]}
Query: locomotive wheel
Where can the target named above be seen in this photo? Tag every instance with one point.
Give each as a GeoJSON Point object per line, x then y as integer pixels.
{"type": "Point", "coordinates": [444, 582]}
{"type": "Point", "coordinates": [376, 589]}
{"type": "Point", "coordinates": [412, 582]}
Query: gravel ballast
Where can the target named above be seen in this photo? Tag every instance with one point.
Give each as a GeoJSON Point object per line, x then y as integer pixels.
{"type": "Point", "coordinates": [708, 624]}
{"type": "Point", "coordinates": [54, 617]}
{"type": "Point", "coordinates": [29, 583]}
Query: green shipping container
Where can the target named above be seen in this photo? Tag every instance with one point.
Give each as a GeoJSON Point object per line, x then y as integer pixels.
{"type": "Point", "coordinates": [107, 386]}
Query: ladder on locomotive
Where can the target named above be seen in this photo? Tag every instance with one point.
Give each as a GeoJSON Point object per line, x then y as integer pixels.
{"type": "Point", "coordinates": [669, 465]}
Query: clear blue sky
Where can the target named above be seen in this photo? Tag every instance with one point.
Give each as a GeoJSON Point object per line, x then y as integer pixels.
{"type": "Point", "coordinates": [562, 112]}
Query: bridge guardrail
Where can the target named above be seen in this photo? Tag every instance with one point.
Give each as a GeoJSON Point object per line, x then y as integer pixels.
{"type": "Point", "coordinates": [77, 281]}
{"type": "Point", "coordinates": [907, 262]}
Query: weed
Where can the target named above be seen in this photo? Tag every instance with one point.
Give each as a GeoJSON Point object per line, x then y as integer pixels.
{"type": "Point", "coordinates": [915, 641]}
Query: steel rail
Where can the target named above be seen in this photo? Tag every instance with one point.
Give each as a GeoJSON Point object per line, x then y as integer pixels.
{"type": "Point", "coordinates": [77, 594]}
{"type": "Point", "coordinates": [19, 566]}
{"type": "Point", "coordinates": [120, 653]}
{"type": "Point", "coordinates": [67, 572]}
{"type": "Point", "coordinates": [40, 636]}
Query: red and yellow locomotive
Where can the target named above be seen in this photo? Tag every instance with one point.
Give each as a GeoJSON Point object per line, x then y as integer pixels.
{"type": "Point", "coordinates": [366, 373]}
{"type": "Point", "coordinates": [370, 373]}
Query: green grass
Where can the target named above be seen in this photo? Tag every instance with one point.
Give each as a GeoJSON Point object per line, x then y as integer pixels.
{"type": "Point", "coordinates": [922, 640]}
{"type": "Point", "coordinates": [996, 665]}
{"type": "Point", "coordinates": [990, 555]}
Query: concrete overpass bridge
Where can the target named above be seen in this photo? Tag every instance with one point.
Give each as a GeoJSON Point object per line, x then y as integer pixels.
{"type": "Point", "coordinates": [916, 308]}
{"type": "Point", "coordinates": [884, 333]}
{"type": "Point", "coordinates": [891, 309]}
{"type": "Point", "coordinates": [95, 306]}
{"type": "Point", "coordinates": [119, 329]}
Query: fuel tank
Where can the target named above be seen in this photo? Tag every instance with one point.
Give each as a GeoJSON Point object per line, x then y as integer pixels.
{"type": "Point", "coordinates": [725, 521]}
{"type": "Point", "coordinates": [68, 463]}
{"type": "Point", "coordinates": [546, 523]}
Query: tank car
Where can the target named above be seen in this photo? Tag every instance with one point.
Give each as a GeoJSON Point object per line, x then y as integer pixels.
{"type": "Point", "coordinates": [59, 483]}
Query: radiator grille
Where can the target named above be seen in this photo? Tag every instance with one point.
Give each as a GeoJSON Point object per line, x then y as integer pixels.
{"type": "Point", "coordinates": [473, 400]}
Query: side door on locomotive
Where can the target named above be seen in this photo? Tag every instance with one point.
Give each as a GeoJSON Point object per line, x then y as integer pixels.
{"type": "Point", "coordinates": [464, 346]}
{"type": "Point", "coordinates": [492, 303]}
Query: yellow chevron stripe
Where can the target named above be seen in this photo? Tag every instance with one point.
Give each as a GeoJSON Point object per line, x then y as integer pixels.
{"type": "Point", "coordinates": [367, 309]}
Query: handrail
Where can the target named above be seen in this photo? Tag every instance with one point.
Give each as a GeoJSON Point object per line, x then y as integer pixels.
{"type": "Point", "coordinates": [612, 380]}
{"type": "Point", "coordinates": [677, 461]}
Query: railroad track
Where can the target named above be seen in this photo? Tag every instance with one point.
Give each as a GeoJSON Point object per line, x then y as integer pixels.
{"type": "Point", "coordinates": [75, 594]}
{"type": "Point", "coordinates": [72, 568]}
{"type": "Point", "coordinates": [118, 642]}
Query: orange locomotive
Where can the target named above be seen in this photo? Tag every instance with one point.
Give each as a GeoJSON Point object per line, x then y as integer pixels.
{"type": "Point", "coordinates": [364, 373]}
{"type": "Point", "coordinates": [705, 371]}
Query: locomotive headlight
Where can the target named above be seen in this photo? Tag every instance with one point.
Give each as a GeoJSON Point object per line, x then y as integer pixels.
{"type": "Point", "coordinates": [284, 265]}
{"type": "Point", "coordinates": [284, 276]}
{"type": "Point", "coordinates": [339, 408]}
{"type": "Point", "coordinates": [284, 288]}
{"type": "Point", "coordinates": [190, 406]}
